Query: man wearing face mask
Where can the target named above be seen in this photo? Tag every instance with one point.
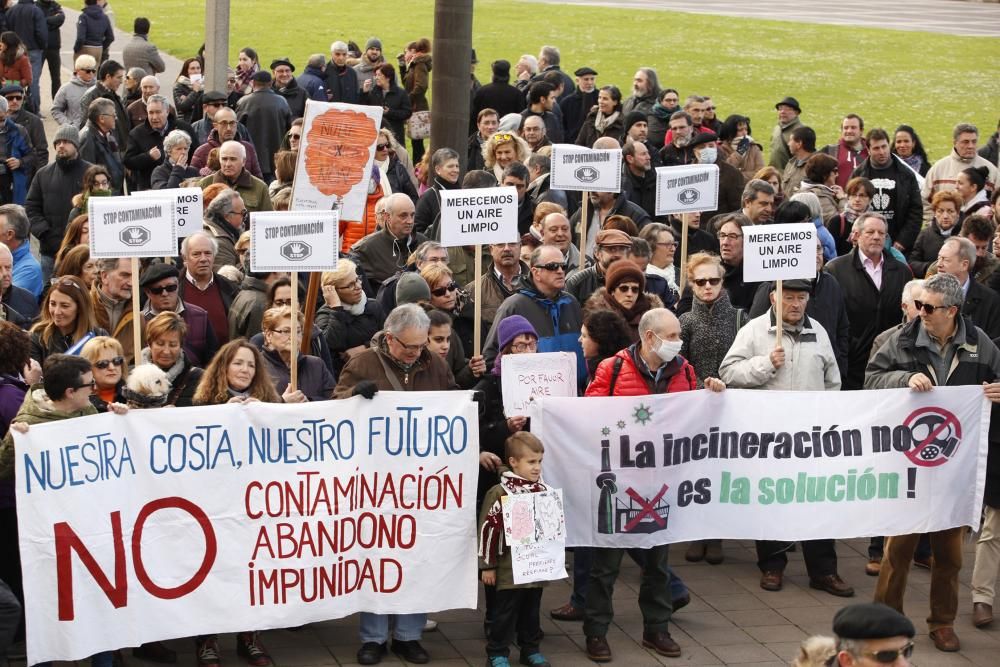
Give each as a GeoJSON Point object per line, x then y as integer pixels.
{"type": "Point", "coordinates": [805, 361]}
{"type": "Point", "coordinates": [650, 366]}
{"type": "Point", "coordinates": [706, 151]}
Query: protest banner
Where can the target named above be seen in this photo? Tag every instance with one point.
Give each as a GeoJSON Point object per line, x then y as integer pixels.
{"type": "Point", "coordinates": [779, 252]}
{"type": "Point", "coordinates": [294, 241]}
{"type": "Point", "coordinates": [336, 152]}
{"type": "Point", "coordinates": [190, 521]}
{"type": "Point", "coordinates": [535, 529]}
{"type": "Point", "coordinates": [476, 217]}
{"type": "Point", "coordinates": [187, 207]}
{"type": "Point", "coordinates": [683, 190]}
{"type": "Point", "coordinates": [126, 227]}
{"type": "Point", "coordinates": [647, 470]}
{"type": "Point", "coordinates": [525, 378]}
{"type": "Point", "coordinates": [687, 188]}
{"type": "Point", "coordinates": [585, 170]}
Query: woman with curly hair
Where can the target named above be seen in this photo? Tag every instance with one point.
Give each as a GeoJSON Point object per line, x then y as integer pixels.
{"type": "Point", "coordinates": [67, 319]}
{"type": "Point", "coordinates": [503, 148]}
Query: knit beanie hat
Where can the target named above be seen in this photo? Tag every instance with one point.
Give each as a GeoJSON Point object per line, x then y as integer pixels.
{"type": "Point", "coordinates": [67, 133]}
{"type": "Point", "coordinates": [411, 288]}
{"type": "Point", "coordinates": [373, 43]}
{"type": "Point", "coordinates": [632, 118]}
{"type": "Point", "coordinates": [511, 327]}
{"type": "Point", "coordinates": [624, 270]}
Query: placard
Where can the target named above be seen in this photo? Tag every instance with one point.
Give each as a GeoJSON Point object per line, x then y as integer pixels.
{"type": "Point", "coordinates": [294, 240]}
{"type": "Point", "coordinates": [478, 216]}
{"type": "Point", "coordinates": [131, 227]}
{"type": "Point", "coordinates": [176, 522]}
{"type": "Point", "coordinates": [687, 188]}
{"type": "Point", "coordinates": [779, 252]}
{"type": "Point", "coordinates": [585, 169]}
{"type": "Point", "coordinates": [188, 208]}
{"type": "Point", "coordinates": [535, 529]}
{"type": "Point", "coordinates": [525, 378]}
{"type": "Point", "coordinates": [638, 471]}
{"type": "Point", "coordinates": [336, 153]}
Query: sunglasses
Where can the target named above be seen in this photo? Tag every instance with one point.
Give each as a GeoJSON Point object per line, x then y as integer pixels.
{"type": "Point", "coordinates": [501, 138]}
{"type": "Point", "coordinates": [927, 308]}
{"type": "Point", "coordinates": [381, 147]}
{"type": "Point", "coordinates": [552, 266]}
{"type": "Point", "coordinates": [441, 291]}
{"type": "Point", "coordinates": [13, 98]}
{"type": "Point", "coordinates": [701, 282]}
{"type": "Point", "coordinates": [889, 656]}
{"type": "Point", "coordinates": [158, 291]}
{"type": "Point", "coordinates": [92, 385]}
{"type": "Point", "coordinates": [633, 289]}
{"type": "Point", "coordinates": [104, 364]}
{"type": "Point", "coordinates": [89, 71]}
{"type": "Point", "coordinates": [294, 135]}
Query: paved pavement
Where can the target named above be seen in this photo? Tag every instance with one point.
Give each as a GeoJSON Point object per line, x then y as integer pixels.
{"type": "Point", "coordinates": [954, 17]}
{"type": "Point", "coordinates": [730, 621]}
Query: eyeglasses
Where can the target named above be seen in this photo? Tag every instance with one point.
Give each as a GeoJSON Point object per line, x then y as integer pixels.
{"type": "Point", "coordinates": [927, 308]}
{"type": "Point", "coordinates": [282, 332]}
{"type": "Point", "coordinates": [351, 285]}
{"type": "Point", "coordinates": [889, 656]}
{"type": "Point", "coordinates": [158, 291]}
{"type": "Point", "coordinates": [410, 348]}
{"type": "Point", "coordinates": [226, 123]}
{"type": "Point", "coordinates": [530, 346]}
{"type": "Point", "coordinates": [633, 289]}
{"type": "Point", "coordinates": [701, 282]}
{"type": "Point", "coordinates": [381, 147]}
{"type": "Point", "coordinates": [104, 364]}
{"type": "Point", "coordinates": [502, 137]}
{"type": "Point", "coordinates": [615, 248]}
{"type": "Point", "coordinates": [667, 244]}
{"type": "Point", "coordinates": [245, 213]}
{"type": "Point", "coordinates": [92, 385]}
{"type": "Point", "coordinates": [730, 237]}
{"type": "Point", "coordinates": [441, 291]}
{"type": "Point", "coordinates": [709, 108]}
{"type": "Point", "coordinates": [552, 266]}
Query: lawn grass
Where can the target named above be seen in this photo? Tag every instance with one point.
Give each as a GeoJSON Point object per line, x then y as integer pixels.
{"type": "Point", "coordinates": [930, 81]}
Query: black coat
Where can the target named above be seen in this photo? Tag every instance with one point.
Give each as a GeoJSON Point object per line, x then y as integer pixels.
{"type": "Point", "coordinates": [426, 217]}
{"type": "Point", "coordinates": [575, 108]}
{"type": "Point", "coordinates": [93, 28]}
{"type": "Point", "coordinates": [22, 302]}
{"type": "Point", "coordinates": [28, 21]}
{"type": "Point", "coordinates": [95, 148]}
{"type": "Point", "coordinates": [588, 133]}
{"type": "Point", "coordinates": [731, 184]}
{"type": "Point", "coordinates": [168, 175]}
{"type": "Point", "coordinates": [343, 330]}
{"type": "Point", "coordinates": [499, 96]}
{"type": "Point", "coordinates": [141, 140]}
{"type": "Point", "coordinates": [267, 117]}
{"type": "Point", "coordinates": [622, 206]}
{"type": "Point", "coordinates": [35, 130]}
{"type": "Point", "coordinates": [474, 157]}
{"type": "Point", "coordinates": [54, 18]}
{"type": "Point", "coordinates": [908, 209]}
{"type": "Point", "coordinates": [926, 247]}
{"type": "Point", "coordinates": [870, 311]}
{"type": "Point", "coordinates": [399, 179]}
{"type": "Point", "coordinates": [342, 84]}
{"type": "Point", "coordinates": [640, 190]}
{"type": "Point", "coordinates": [398, 106]}
{"type": "Point", "coordinates": [295, 96]}
{"type": "Point", "coordinates": [982, 306]}
{"type": "Point", "coordinates": [122, 123]}
{"type": "Point", "coordinates": [50, 199]}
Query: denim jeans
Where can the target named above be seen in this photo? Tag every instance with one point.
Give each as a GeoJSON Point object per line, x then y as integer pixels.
{"type": "Point", "coordinates": [37, 58]}
{"type": "Point", "coordinates": [375, 627]}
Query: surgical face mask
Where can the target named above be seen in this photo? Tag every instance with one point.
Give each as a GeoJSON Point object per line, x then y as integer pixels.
{"type": "Point", "coordinates": [668, 349]}
{"type": "Point", "coordinates": [708, 155]}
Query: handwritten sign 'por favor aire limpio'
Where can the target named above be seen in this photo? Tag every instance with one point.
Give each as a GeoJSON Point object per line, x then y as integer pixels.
{"type": "Point", "coordinates": [528, 377]}
{"type": "Point", "coordinates": [687, 188]}
{"type": "Point", "coordinates": [187, 207]}
{"type": "Point", "coordinates": [779, 252]}
{"type": "Point", "coordinates": [478, 215]}
{"type": "Point", "coordinates": [586, 169]}
{"type": "Point", "coordinates": [132, 227]}
{"type": "Point", "coordinates": [294, 241]}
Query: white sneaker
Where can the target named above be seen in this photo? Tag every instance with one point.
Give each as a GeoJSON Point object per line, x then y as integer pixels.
{"type": "Point", "coordinates": [430, 625]}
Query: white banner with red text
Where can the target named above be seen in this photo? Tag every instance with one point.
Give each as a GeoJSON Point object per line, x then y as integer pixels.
{"type": "Point", "coordinates": [646, 470]}
{"type": "Point", "coordinates": [178, 522]}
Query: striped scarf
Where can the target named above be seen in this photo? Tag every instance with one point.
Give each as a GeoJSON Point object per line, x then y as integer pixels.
{"type": "Point", "coordinates": [491, 537]}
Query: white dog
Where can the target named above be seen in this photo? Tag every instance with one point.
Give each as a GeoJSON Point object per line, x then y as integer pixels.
{"type": "Point", "coordinates": [147, 387]}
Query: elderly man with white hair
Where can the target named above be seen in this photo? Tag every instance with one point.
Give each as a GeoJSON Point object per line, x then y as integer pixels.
{"type": "Point", "coordinates": [202, 286]}
{"type": "Point", "coordinates": [224, 220]}
{"type": "Point", "coordinates": [233, 173]}
{"type": "Point", "coordinates": [149, 85]}
{"type": "Point", "coordinates": [145, 142]}
{"type": "Point", "coordinates": [385, 251]}
{"type": "Point", "coordinates": [341, 78]}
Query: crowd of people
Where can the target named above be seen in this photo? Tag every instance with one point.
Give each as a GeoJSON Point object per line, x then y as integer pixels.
{"type": "Point", "coordinates": [904, 293]}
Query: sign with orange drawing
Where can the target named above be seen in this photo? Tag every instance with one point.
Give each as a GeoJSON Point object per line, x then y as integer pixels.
{"type": "Point", "coordinates": [335, 158]}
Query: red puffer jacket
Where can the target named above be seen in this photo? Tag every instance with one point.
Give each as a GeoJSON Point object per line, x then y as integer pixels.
{"type": "Point", "coordinates": [631, 381]}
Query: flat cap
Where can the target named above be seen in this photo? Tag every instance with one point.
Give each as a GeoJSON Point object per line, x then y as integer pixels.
{"type": "Point", "coordinates": [157, 272]}
{"type": "Point", "coordinates": [789, 102]}
{"type": "Point", "coordinates": [278, 62]}
{"type": "Point", "coordinates": [585, 71]}
{"type": "Point", "coordinates": [613, 237]}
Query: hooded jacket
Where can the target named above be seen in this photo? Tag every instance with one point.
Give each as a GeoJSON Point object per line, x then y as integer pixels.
{"type": "Point", "coordinates": [66, 109]}
{"type": "Point", "coordinates": [93, 28]}
{"type": "Point", "coordinates": [36, 409]}
{"type": "Point", "coordinates": [416, 81]}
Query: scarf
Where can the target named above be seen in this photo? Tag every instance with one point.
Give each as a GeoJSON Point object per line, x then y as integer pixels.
{"type": "Point", "coordinates": [359, 307]}
{"type": "Point", "coordinates": [602, 122]}
{"type": "Point", "coordinates": [173, 372]}
{"type": "Point", "coordinates": [243, 77]}
{"type": "Point", "coordinates": [662, 112]}
{"type": "Point", "coordinates": [742, 144]}
{"type": "Point", "coordinates": [915, 162]}
{"type": "Point", "coordinates": [491, 537]}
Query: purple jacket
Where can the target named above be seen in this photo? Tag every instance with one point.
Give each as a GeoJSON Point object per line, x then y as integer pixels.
{"type": "Point", "coordinates": [200, 343]}
{"type": "Point", "coordinates": [12, 391]}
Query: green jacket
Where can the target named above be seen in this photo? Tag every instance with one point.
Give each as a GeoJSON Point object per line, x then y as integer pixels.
{"type": "Point", "coordinates": [37, 409]}
{"type": "Point", "coordinates": [494, 552]}
{"type": "Point", "coordinates": [780, 155]}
